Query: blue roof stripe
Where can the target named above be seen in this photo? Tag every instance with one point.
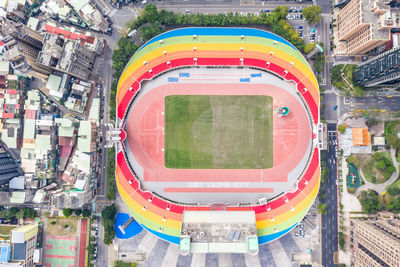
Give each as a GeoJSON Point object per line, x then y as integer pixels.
{"type": "Point", "coordinates": [268, 238]}
{"type": "Point", "coordinates": [169, 238]}
{"type": "Point", "coordinates": [218, 32]}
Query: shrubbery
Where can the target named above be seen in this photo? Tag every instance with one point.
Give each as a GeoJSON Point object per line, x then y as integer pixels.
{"type": "Point", "coordinates": [110, 171]}
{"type": "Point", "coordinates": [107, 218]}
{"type": "Point", "coordinates": [16, 212]}
{"type": "Point", "coordinates": [370, 202]}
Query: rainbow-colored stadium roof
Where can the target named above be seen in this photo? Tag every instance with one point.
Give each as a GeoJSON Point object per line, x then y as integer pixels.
{"type": "Point", "coordinates": [218, 47]}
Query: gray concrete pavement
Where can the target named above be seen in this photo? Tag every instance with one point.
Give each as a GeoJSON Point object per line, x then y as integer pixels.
{"type": "Point", "coordinates": [329, 228]}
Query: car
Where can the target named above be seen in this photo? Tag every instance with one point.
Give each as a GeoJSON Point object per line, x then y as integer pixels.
{"type": "Point", "coordinates": [300, 27]}
{"type": "Point", "coordinates": [296, 234]}
{"type": "Point", "coordinates": [290, 11]}
{"type": "Point", "coordinates": [313, 30]}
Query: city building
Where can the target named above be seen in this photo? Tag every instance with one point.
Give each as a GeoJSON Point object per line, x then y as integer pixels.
{"type": "Point", "coordinates": [37, 144]}
{"type": "Point", "coordinates": [79, 95]}
{"type": "Point", "coordinates": [23, 240]}
{"type": "Point", "coordinates": [9, 168]}
{"type": "Point", "coordinates": [90, 14]}
{"type": "Point", "coordinates": [20, 249]}
{"type": "Point", "coordinates": [66, 55]}
{"type": "Point", "coordinates": [22, 46]}
{"type": "Point", "coordinates": [10, 111]}
{"type": "Point", "coordinates": [375, 243]}
{"type": "Point", "coordinates": [382, 70]}
{"type": "Point", "coordinates": [87, 134]}
{"type": "Point", "coordinates": [59, 9]}
{"type": "Point", "coordinates": [361, 137]}
{"type": "Point", "coordinates": [364, 25]}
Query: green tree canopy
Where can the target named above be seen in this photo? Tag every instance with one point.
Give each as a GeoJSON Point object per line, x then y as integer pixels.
{"type": "Point", "coordinates": [67, 212]}
{"type": "Point", "coordinates": [380, 165]}
{"type": "Point", "coordinates": [78, 212]}
{"type": "Point", "coordinates": [341, 128]}
{"type": "Point", "coordinates": [282, 12]}
{"type": "Point", "coordinates": [312, 14]}
{"type": "Point", "coordinates": [108, 217]}
{"type": "Point", "coordinates": [322, 209]}
{"type": "Point", "coordinates": [86, 213]}
{"type": "Point", "coordinates": [370, 202]}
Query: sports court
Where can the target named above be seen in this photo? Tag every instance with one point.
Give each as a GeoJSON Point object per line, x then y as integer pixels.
{"type": "Point", "coordinates": [66, 246]}
{"type": "Point", "coordinates": [218, 132]}
{"type": "Point", "coordinates": [60, 251]}
{"type": "Point", "coordinates": [250, 175]}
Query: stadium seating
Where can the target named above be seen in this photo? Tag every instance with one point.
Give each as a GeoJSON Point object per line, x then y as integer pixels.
{"type": "Point", "coordinates": [234, 47]}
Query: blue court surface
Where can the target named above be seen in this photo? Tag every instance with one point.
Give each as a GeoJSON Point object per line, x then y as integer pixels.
{"type": "Point", "coordinates": [133, 229]}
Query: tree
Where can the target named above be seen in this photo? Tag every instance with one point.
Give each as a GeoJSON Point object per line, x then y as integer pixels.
{"type": "Point", "coordinates": [322, 209]}
{"type": "Point", "coordinates": [371, 122]}
{"type": "Point", "coordinates": [67, 212]}
{"type": "Point", "coordinates": [380, 165]}
{"type": "Point", "coordinates": [394, 205]}
{"type": "Point", "coordinates": [108, 217]}
{"type": "Point", "coordinates": [391, 169]}
{"type": "Point", "coordinates": [341, 128]}
{"type": "Point", "coordinates": [392, 140]}
{"type": "Point", "coordinates": [312, 14]}
{"type": "Point", "coordinates": [86, 213]}
{"type": "Point", "coordinates": [91, 248]}
{"type": "Point", "coordinates": [282, 11]}
{"type": "Point", "coordinates": [370, 202]}
{"type": "Point", "coordinates": [393, 191]}
{"type": "Point", "coordinates": [124, 264]}
{"type": "Point", "coordinates": [308, 48]}
{"type": "Point", "coordinates": [78, 212]}
{"type": "Point", "coordinates": [336, 73]}
{"type": "Point", "coordinates": [341, 240]}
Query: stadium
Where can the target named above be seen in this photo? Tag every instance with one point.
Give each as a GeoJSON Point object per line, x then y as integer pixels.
{"type": "Point", "coordinates": [218, 138]}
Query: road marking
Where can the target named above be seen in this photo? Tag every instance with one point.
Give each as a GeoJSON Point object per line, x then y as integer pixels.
{"type": "Point", "coordinates": [247, 2]}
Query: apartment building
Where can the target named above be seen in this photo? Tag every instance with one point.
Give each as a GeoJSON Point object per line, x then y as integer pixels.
{"type": "Point", "coordinates": [365, 25]}
{"type": "Point", "coordinates": [22, 47]}
{"type": "Point", "coordinates": [66, 55]}
{"type": "Point", "coordinates": [375, 242]}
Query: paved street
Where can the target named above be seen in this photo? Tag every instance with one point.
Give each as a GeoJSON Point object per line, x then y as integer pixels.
{"type": "Point", "coordinates": [329, 228]}
{"type": "Point", "coordinates": [215, 7]}
{"type": "Point", "coordinates": [369, 103]}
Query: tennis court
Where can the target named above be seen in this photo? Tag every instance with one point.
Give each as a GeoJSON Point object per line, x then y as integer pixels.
{"type": "Point", "coordinates": [60, 251]}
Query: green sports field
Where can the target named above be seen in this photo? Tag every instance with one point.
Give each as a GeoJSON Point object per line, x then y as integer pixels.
{"type": "Point", "coordinates": [218, 132]}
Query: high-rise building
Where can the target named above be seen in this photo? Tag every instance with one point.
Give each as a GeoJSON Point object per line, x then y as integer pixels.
{"type": "Point", "coordinates": [22, 47]}
{"type": "Point", "coordinates": [376, 243]}
{"type": "Point", "coordinates": [19, 251]}
{"type": "Point", "coordinates": [365, 25]}
{"type": "Point", "coordinates": [23, 240]}
{"type": "Point", "coordinates": [382, 70]}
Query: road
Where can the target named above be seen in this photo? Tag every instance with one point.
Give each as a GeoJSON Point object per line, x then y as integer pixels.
{"type": "Point", "coordinates": [215, 7]}
{"type": "Point", "coordinates": [376, 103]}
{"type": "Point", "coordinates": [329, 227]}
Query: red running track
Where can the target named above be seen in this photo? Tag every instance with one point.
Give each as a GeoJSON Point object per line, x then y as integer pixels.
{"type": "Point", "coordinates": [82, 243]}
{"type": "Point", "coordinates": [145, 131]}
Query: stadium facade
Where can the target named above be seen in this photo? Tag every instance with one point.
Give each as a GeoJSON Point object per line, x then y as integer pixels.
{"type": "Point", "coordinates": [211, 49]}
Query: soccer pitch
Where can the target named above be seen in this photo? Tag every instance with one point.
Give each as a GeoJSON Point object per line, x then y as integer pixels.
{"type": "Point", "coordinates": [218, 132]}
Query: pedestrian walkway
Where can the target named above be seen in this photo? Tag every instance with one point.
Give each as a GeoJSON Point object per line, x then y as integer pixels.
{"type": "Point", "coordinates": [161, 253]}
{"type": "Point", "coordinates": [380, 188]}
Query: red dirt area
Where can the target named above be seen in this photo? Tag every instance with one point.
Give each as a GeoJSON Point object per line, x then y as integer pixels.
{"type": "Point", "coordinates": [82, 243]}
{"type": "Point", "coordinates": [145, 131]}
